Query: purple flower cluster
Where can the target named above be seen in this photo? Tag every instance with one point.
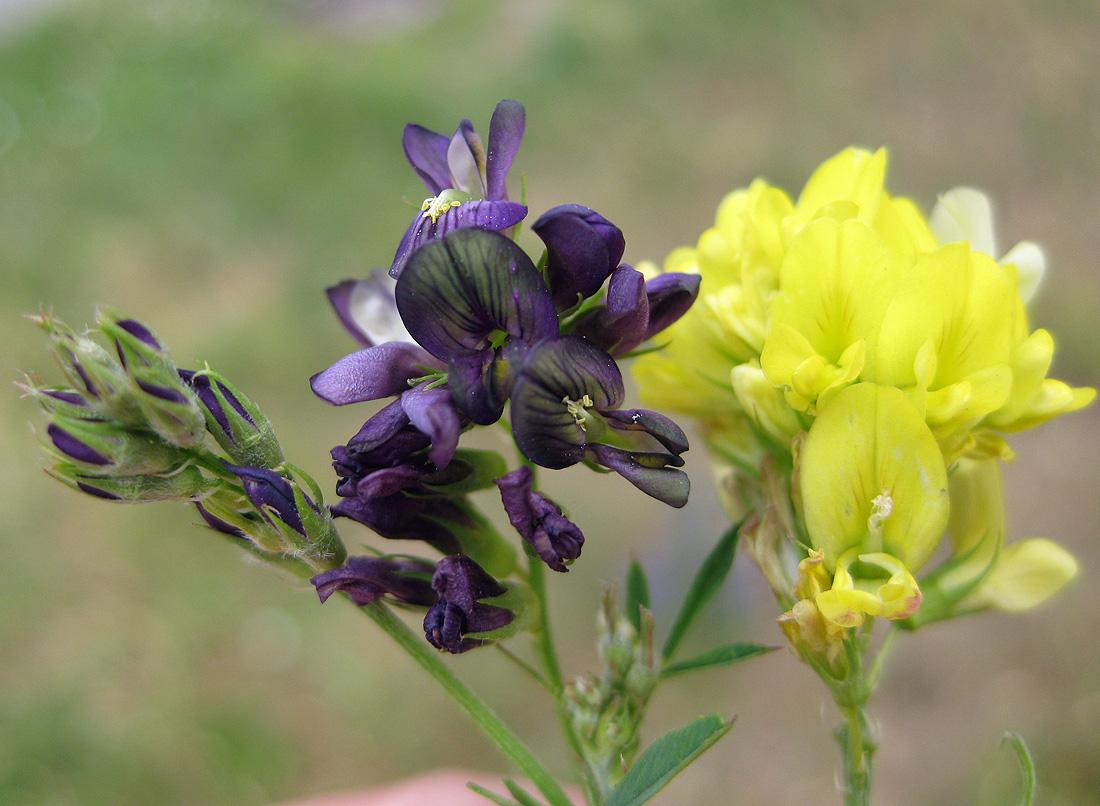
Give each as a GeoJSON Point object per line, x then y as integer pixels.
{"type": "Point", "coordinates": [468, 325]}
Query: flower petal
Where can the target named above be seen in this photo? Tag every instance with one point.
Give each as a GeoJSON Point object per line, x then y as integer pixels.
{"type": "Point", "coordinates": [487, 215]}
{"type": "Point", "coordinates": [368, 579]}
{"type": "Point", "coordinates": [426, 152]}
{"type": "Point", "coordinates": [433, 413]}
{"type": "Point", "coordinates": [648, 472]}
{"type": "Point", "coordinates": [466, 160]}
{"type": "Point", "coordinates": [619, 325]}
{"type": "Point", "coordinates": [505, 135]}
{"type": "Point", "coordinates": [372, 373]}
{"type": "Point", "coordinates": [653, 423]}
{"type": "Point", "coordinates": [582, 247]}
{"type": "Point", "coordinates": [367, 309]}
{"type": "Point", "coordinates": [670, 296]}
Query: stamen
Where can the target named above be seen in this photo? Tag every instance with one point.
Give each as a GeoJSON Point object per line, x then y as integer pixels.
{"type": "Point", "coordinates": [435, 206]}
{"type": "Point", "coordinates": [577, 409]}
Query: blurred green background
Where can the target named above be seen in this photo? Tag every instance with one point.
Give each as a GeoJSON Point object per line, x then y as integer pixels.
{"type": "Point", "coordinates": [211, 166]}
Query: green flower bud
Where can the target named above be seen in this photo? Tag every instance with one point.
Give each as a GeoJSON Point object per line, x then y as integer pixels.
{"type": "Point", "coordinates": [186, 484]}
{"type": "Point", "coordinates": [106, 449]}
{"type": "Point", "coordinates": [237, 423]}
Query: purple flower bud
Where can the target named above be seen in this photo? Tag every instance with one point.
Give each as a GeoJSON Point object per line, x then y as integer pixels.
{"type": "Point", "coordinates": [72, 447]}
{"type": "Point", "coordinates": [582, 249]}
{"type": "Point", "coordinates": [670, 297]}
{"type": "Point", "coordinates": [459, 612]}
{"type": "Point", "coordinates": [539, 521]}
{"type": "Point", "coordinates": [271, 494]}
{"type": "Point", "coordinates": [104, 448]}
{"type": "Point", "coordinates": [217, 524]}
{"type": "Point", "coordinates": [237, 423]}
{"type": "Point", "coordinates": [368, 579]}
{"type": "Point", "coordinates": [565, 409]}
{"type": "Point", "coordinates": [619, 324]}
{"type": "Point", "coordinates": [185, 484]}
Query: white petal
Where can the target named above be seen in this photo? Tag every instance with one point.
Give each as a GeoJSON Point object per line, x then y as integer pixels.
{"type": "Point", "coordinates": [965, 214]}
{"type": "Point", "coordinates": [1031, 265]}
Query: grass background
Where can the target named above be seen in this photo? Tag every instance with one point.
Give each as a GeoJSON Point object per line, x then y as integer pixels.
{"type": "Point", "coordinates": [211, 166]}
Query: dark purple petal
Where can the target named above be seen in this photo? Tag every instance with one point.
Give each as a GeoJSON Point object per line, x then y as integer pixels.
{"type": "Point", "coordinates": [86, 487]}
{"type": "Point", "coordinates": [555, 378]}
{"type": "Point", "coordinates": [72, 398]}
{"type": "Point", "coordinates": [426, 152]}
{"type": "Point", "coordinates": [539, 520]}
{"type": "Point", "coordinates": [200, 385]}
{"type": "Point", "coordinates": [476, 386]}
{"type": "Point", "coordinates": [367, 309]}
{"type": "Point", "coordinates": [466, 160]}
{"type": "Point", "coordinates": [140, 332]}
{"type": "Point", "coordinates": [461, 584]}
{"type": "Point", "coordinates": [74, 448]}
{"type": "Point", "coordinates": [582, 248]}
{"type": "Point", "coordinates": [657, 425]}
{"type": "Point", "coordinates": [505, 135]}
{"type": "Point", "coordinates": [161, 392]}
{"type": "Point", "coordinates": [268, 491]}
{"type": "Point", "coordinates": [432, 412]}
{"type": "Point", "coordinates": [388, 481]}
{"type": "Point", "coordinates": [400, 517]}
{"type": "Point", "coordinates": [486, 215]}
{"type": "Point", "coordinates": [646, 471]}
{"type": "Point", "coordinates": [458, 293]}
{"type": "Point", "coordinates": [670, 297]}
{"type": "Point", "coordinates": [619, 325]}
{"type": "Point", "coordinates": [373, 373]}
{"type": "Point", "coordinates": [217, 523]}
{"type": "Point", "coordinates": [368, 579]}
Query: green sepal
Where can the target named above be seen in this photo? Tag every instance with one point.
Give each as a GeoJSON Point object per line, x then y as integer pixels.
{"type": "Point", "coordinates": [131, 453]}
{"type": "Point", "coordinates": [480, 540]}
{"type": "Point", "coordinates": [948, 585]}
{"type": "Point", "coordinates": [186, 484]}
{"type": "Point", "coordinates": [472, 470]}
{"type": "Point", "coordinates": [521, 600]}
{"type": "Point", "coordinates": [322, 541]}
{"type": "Point", "coordinates": [248, 443]}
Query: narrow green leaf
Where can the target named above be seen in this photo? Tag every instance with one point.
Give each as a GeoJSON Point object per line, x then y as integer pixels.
{"type": "Point", "coordinates": [719, 656]}
{"type": "Point", "coordinates": [667, 757]}
{"type": "Point", "coordinates": [708, 579]}
{"type": "Point", "coordinates": [637, 593]}
{"type": "Point", "coordinates": [499, 800]}
{"type": "Point", "coordinates": [524, 797]}
{"type": "Point", "coordinates": [1027, 766]}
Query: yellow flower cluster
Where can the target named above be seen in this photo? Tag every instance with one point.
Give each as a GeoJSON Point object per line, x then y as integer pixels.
{"type": "Point", "coordinates": [880, 358]}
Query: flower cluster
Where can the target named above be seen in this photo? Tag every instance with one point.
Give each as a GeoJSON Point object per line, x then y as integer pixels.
{"type": "Point", "coordinates": [857, 366]}
{"type": "Point", "coordinates": [463, 325]}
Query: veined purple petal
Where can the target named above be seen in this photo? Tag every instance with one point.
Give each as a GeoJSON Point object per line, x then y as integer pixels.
{"type": "Point", "coordinates": [73, 447]}
{"type": "Point", "coordinates": [670, 297]}
{"type": "Point", "coordinates": [368, 579]}
{"type": "Point", "coordinates": [619, 325]}
{"type": "Point", "coordinates": [457, 292]}
{"type": "Point", "coordinates": [582, 247]}
{"type": "Point", "coordinates": [539, 520]}
{"type": "Point", "coordinates": [388, 481]}
{"type": "Point", "coordinates": [505, 135]}
{"type": "Point", "coordinates": [426, 152]}
{"type": "Point", "coordinates": [475, 386]}
{"type": "Point", "coordinates": [648, 472]}
{"type": "Point", "coordinates": [369, 374]}
{"type": "Point", "coordinates": [461, 584]}
{"type": "Point", "coordinates": [560, 380]}
{"type": "Point", "coordinates": [432, 412]}
{"type": "Point", "coordinates": [487, 215]}
{"type": "Point", "coordinates": [367, 309]}
{"type": "Point", "coordinates": [657, 425]}
{"type": "Point", "coordinates": [267, 491]}
{"type": "Point", "coordinates": [466, 160]}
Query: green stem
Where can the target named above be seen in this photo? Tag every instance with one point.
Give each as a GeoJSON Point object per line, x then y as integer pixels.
{"type": "Point", "coordinates": [491, 724]}
{"type": "Point", "coordinates": [857, 759]}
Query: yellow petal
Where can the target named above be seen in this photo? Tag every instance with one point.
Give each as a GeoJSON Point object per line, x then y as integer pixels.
{"type": "Point", "coordinates": [870, 442]}
{"type": "Point", "coordinates": [764, 404]}
{"type": "Point", "coordinates": [1026, 574]}
{"type": "Point", "coordinates": [855, 175]}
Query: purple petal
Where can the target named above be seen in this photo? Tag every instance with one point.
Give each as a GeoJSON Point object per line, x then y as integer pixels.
{"type": "Point", "coordinates": [267, 490]}
{"type": "Point", "coordinates": [505, 135]}
{"type": "Point", "coordinates": [460, 584]}
{"type": "Point", "coordinates": [568, 368]}
{"type": "Point", "coordinates": [583, 248]}
{"type": "Point", "coordinates": [368, 579]}
{"type": "Point", "coordinates": [140, 332]}
{"type": "Point", "coordinates": [367, 309]}
{"type": "Point", "coordinates": [657, 425]}
{"type": "Point", "coordinates": [426, 152]}
{"type": "Point", "coordinates": [474, 386]}
{"type": "Point", "coordinates": [487, 215]}
{"type": "Point", "coordinates": [217, 523]}
{"type": "Point", "coordinates": [670, 297]}
{"type": "Point", "coordinates": [619, 325]}
{"type": "Point", "coordinates": [400, 517]}
{"type": "Point", "coordinates": [372, 373]}
{"type": "Point", "coordinates": [647, 472]}
{"type": "Point", "coordinates": [432, 412]}
{"type": "Point", "coordinates": [539, 521]}
{"type": "Point", "coordinates": [388, 481]}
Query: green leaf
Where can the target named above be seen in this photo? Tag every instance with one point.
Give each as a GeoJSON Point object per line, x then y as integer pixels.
{"type": "Point", "coordinates": [499, 800]}
{"type": "Point", "coordinates": [1027, 766]}
{"type": "Point", "coordinates": [667, 757]}
{"type": "Point", "coordinates": [719, 656]}
{"type": "Point", "coordinates": [524, 797]}
{"type": "Point", "coordinates": [637, 593]}
{"type": "Point", "coordinates": [708, 579]}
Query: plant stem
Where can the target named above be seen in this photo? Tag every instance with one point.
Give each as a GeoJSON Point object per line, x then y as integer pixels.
{"type": "Point", "coordinates": [491, 724]}
{"type": "Point", "coordinates": [857, 762]}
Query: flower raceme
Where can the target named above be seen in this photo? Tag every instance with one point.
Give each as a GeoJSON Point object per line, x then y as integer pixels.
{"type": "Point", "coordinates": [877, 354]}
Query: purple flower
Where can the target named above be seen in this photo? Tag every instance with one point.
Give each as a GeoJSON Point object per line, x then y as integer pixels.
{"type": "Point", "coordinates": [368, 579]}
{"type": "Point", "coordinates": [368, 310]}
{"type": "Point", "coordinates": [459, 612]}
{"type": "Point", "coordinates": [539, 521]}
{"type": "Point", "coordinates": [474, 300]}
{"type": "Point", "coordinates": [582, 249]}
{"type": "Point", "coordinates": [403, 517]}
{"type": "Point", "coordinates": [468, 186]}
{"type": "Point", "coordinates": [376, 372]}
{"type": "Point", "coordinates": [565, 409]}
{"type": "Point", "coordinates": [636, 310]}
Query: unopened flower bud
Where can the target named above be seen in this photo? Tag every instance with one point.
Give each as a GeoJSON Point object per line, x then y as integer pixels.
{"type": "Point", "coordinates": [168, 405]}
{"type": "Point", "coordinates": [237, 423]}
{"type": "Point", "coordinates": [186, 484]}
{"type": "Point", "coordinates": [462, 617]}
{"type": "Point", "coordinates": [106, 449]}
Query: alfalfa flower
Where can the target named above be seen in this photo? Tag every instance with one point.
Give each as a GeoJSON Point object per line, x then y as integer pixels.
{"type": "Point", "coordinates": [467, 612]}
{"type": "Point", "coordinates": [539, 521]}
{"type": "Point", "coordinates": [368, 579]}
{"type": "Point", "coordinates": [468, 184]}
